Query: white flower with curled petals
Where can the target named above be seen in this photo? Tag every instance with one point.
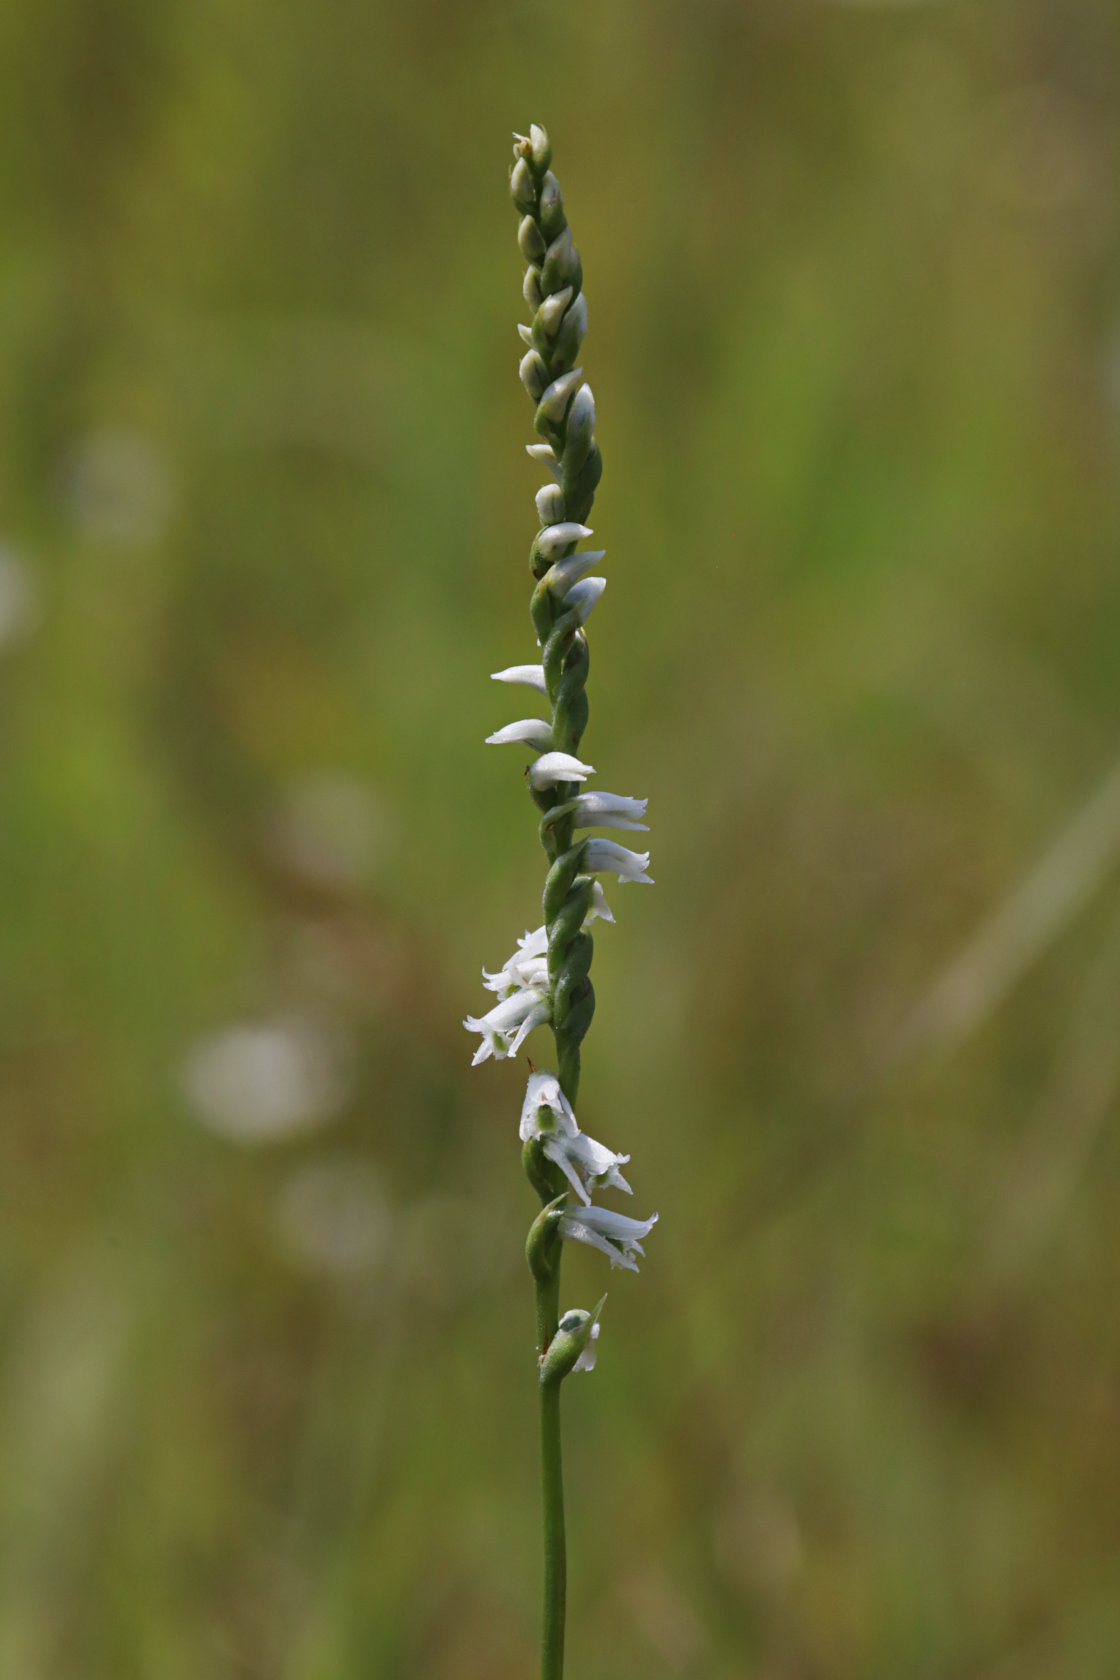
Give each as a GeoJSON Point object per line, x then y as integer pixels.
{"type": "Point", "coordinates": [608, 810]}
{"type": "Point", "coordinates": [554, 767]}
{"type": "Point", "coordinates": [607, 857]}
{"type": "Point", "coordinates": [531, 675]}
{"type": "Point", "coordinates": [587, 1164]}
{"type": "Point", "coordinates": [532, 732]}
{"type": "Point", "coordinates": [528, 966]}
{"type": "Point", "coordinates": [614, 1234]}
{"type": "Point", "coordinates": [505, 1028]}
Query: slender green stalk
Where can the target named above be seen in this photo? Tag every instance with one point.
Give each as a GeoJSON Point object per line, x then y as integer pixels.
{"type": "Point", "coordinates": [552, 1491]}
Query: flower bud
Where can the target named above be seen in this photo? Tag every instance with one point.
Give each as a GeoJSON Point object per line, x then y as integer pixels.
{"type": "Point", "coordinates": [531, 287]}
{"type": "Point", "coordinates": [551, 312]}
{"type": "Point", "coordinates": [542, 1245]}
{"type": "Point", "coordinates": [551, 207]}
{"type": "Point", "coordinates": [534, 374]}
{"type": "Point", "coordinates": [580, 429]}
{"type": "Point", "coordinates": [561, 535]}
{"type": "Point", "coordinates": [561, 264]}
{"type": "Point", "coordinates": [572, 330]}
{"type": "Point", "coordinates": [554, 401]}
{"type": "Point", "coordinates": [529, 238]}
{"type": "Point", "coordinates": [550, 504]}
{"type": "Point", "coordinates": [521, 185]}
{"type": "Point", "coordinates": [541, 149]}
{"type": "Point", "coordinates": [572, 1347]}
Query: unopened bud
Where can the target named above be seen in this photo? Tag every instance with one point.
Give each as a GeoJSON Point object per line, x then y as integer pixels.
{"type": "Point", "coordinates": [550, 504]}
{"type": "Point", "coordinates": [541, 148]}
{"type": "Point", "coordinates": [561, 264]}
{"type": "Point", "coordinates": [551, 311]}
{"type": "Point", "coordinates": [573, 1346]}
{"type": "Point", "coordinates": [521, 186]}
{"type": "Point", "coordinates": [572, 329]}
{"type": "Point", "coordinates": [554, 401]}
{"type": "Point", "coordinates": [529, 238]}
{"type": "Point", "coordinates": [580, 429]}
{"type": "Point", "coordinates": [551, 207]}
{"type": "Point", "coordinates": [542, 1245]}
{"type": "Point", "coordinates": [531, 287]}
{"type": "Point", "coordinates": [534, 374]}
{"type": "Point", "coordinates": [554, 539]}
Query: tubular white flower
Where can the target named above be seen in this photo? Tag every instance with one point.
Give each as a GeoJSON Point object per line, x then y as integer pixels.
{"type": "Point", "coordinates": [543, 1091]}
{"type": "Point", "coordinates": [531, 675]}
{"type": "Point", "coordinates": [506, 1027]}
{"type": "Point", "coordinates": [554, 767]}
{"type": "Point", "coordinates": [608, 810]}
{"type": "Point", "coordinates": [607, 857]}
{"type": "Point", "coordinates": [555, 538]}
{"type": "Point", "coordinates": [565, 573]}
{"type": "Point", "coordinates": [587, 1164]}
{"type": "Point", "coordinates": [585, 596]}
{"type": "Point", "coordinates": [613, 1234]}
{"type": "Point", "coordinates": [528, 966]}
{"type": "Point", "coordinates": [532, 732]}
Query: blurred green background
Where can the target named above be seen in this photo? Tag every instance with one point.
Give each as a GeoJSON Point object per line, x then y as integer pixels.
{"type": "Point", "coordinates": [267, 1387]}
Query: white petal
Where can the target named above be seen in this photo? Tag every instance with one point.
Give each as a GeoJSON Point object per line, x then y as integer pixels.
{"type": "Point", "coordinates": [536, 1017]}
{"type": "Point", "coordinates": [609, 810]}
{"type": "Point", "coordinates": [554, 401]}
{"type": "Point", "coordinates": [550, 505]}
{"type": "Point", "coordinates": [600, 909]}
{"type": "Point", "coordinates": [555, 538]}
{"type": "Point", "coordinates": [567, 572]}
{"type": "Point", "coordinates": [586, 1360]}
{"type": "Point", "coordinates": [532, 732]}
{"type": "Point", "coordinates": [585, 595]}
{"type": "Point", "coordinates": [543, 453]}
{"type": "Point", "coordinates": [554, 767]}
{"type": "Point", "coordinates": [609, 858]}
{"type": "Point", "coordinates": [526, 334]}
{"type": "Point", "coordinates": [531, 675]}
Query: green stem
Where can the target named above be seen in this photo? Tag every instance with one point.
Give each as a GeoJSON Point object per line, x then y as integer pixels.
{"type": "Point", "coordinates": [552, 1490]}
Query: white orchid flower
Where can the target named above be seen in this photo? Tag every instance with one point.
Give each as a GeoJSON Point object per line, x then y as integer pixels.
{"type": "Point", "coordinates": [607, 857]}
{"type": "Point", "coordinates": [554, 767]}
{"type": "Point", "coordinates": [587, 1164]}
{"type": "Point", "coordinates": [531, 675]}
{"type": "Point", "coordinates": [613, 1234]}
{"type": "Point", "coordinates": [532, 732]}
{"type": "Point", "coordinates": [608, 810]}
{"type": "Point", "coordinates": [505, 1028]}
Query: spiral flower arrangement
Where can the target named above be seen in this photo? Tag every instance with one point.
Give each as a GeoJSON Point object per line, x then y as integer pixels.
{"type": "Point", "coordinates": [547, 979]}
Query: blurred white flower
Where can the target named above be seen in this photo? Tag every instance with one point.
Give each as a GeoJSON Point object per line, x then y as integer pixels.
{"type": "Point", "coordinates": [506, 1027]}
{"type": "Point", "coordinates": [260, 1082]}
{"type": "Point", "coordinates": [333, 1216]}
{"type": "Point", "coordinates": [554, 767]}
{"type": "Point", "coordinates": [332, 828]}
{"type": "Point", "coordinates": [609, 858]}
